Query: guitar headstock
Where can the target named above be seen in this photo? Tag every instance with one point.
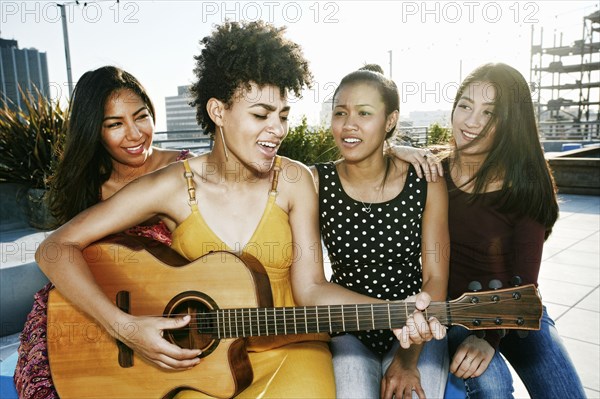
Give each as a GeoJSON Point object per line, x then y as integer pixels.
{"type": "Point", "coordinates": [509, 308]}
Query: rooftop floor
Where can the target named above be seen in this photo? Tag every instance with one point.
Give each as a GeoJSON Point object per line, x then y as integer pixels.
{"type": "Point", "coordinates": [569, 283]}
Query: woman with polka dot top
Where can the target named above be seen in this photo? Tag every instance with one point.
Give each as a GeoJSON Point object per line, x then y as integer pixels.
{"type": "Point", "coordinates": [386, 233]}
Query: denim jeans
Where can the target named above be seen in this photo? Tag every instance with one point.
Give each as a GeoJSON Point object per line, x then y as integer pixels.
{"type": "Point", "coordinates": [359, 371]}
{"type": "Point", "coordinates": [539, 358]}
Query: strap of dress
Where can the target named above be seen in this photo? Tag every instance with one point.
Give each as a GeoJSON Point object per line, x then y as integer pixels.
{"type": "Point", "coordinates": [189, 176]}
{"type": "Point", "coordinates": [276, 170]}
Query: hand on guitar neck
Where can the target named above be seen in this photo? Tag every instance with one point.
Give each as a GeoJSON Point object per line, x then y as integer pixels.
{"type": "Point", "coordinates": [417, 329]}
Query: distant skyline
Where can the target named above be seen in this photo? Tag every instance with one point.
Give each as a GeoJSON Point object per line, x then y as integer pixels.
{"type": "Point", "coordinates": [433, 44]}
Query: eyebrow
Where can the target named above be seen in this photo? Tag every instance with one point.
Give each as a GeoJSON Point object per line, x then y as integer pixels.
{"type": "Point", "coordinates": [270, 107]}
{"type": "Point", "coordinates": [471, 100]}
{"type": "Point", "coordinates": [120, 117]}
{"type": "Point", "coordinates": [356, 106]}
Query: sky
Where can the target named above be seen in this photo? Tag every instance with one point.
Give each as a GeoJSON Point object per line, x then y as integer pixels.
{"type": "Point", "coordinates": [426, 46]}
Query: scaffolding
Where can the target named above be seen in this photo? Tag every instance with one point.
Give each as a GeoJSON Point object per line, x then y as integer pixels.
{"type": "Point", "coordinates": [566, 81]}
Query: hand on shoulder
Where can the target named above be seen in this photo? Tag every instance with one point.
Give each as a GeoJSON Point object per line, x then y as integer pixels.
{"type": "Point", "coordinates": [426, 163]}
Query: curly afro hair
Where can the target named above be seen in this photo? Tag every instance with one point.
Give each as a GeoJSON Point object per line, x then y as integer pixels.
{"type": "Point", "coordinates": [237, 54]}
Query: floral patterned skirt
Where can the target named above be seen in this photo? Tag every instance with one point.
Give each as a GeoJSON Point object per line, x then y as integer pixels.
{"type": "Point", "coordinates": [32, 374]}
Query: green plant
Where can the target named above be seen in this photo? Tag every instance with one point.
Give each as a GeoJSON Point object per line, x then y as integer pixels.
{"type": "Point", "coordinates": [437, 134]}
{"type": "Point", "coordinates": [309, 145]}
{"type": "Point", "coordinates": [31, 140]}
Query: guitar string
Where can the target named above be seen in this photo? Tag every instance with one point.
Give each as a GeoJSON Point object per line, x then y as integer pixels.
{"type": "Point", "coordinates": [228, 322]}
{"type": "Point", "coordinates": [273, 329]}
{"type": "Point", "coordinates": [228, 325]}
{"type": "Point", "coordinates": [365, 309]}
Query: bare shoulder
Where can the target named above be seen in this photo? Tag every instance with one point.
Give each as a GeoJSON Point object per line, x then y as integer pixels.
{"type": "Point", "coordinates": [166, 189]}
{"type": "Point", "coordinates": [296, 181]}
{"type": "Point", "coordinates": [165, 176]}
{"type": "Point", "coordinates": [198, 163]}
{"type": "Point", "coordinates": [315, 175]}
{"type": "Point", "coordinates": [292, 168]}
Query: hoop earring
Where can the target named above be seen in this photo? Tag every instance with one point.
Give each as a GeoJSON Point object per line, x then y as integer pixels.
{"type": "Point", "coordinates": [224, 145]}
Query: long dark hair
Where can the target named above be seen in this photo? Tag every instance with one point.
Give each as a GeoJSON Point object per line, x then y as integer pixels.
{"type": "Point", "coordinates": [85, 164]}
{"type": "Point", "coordinates": [516, 155]}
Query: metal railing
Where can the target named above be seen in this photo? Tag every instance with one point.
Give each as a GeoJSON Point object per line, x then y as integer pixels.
{"type": "Point", "coordinates": [193, 140]}
{"type": "Point", "coordinates": [573, 131]}
{"type": "Point", "coordinates": [415, 135]}
{"type": "Point", "coordinates": [578, 131]}
{"type": "Point", "coordinates": [198, 142]}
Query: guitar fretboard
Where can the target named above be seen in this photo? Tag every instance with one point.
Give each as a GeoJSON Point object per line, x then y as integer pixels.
{"type": "Point", "coordinates": [232, 323]}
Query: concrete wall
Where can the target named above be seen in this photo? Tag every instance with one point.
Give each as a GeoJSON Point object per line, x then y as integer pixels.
{"type": "Point", "coordinates": [20, 276]}
{"type": "Point", "coordinates": [576, 175]}
{"type": "Point", "coordinates": [577, 171]}
{"type": "Point", "coordinates": [13, 199]}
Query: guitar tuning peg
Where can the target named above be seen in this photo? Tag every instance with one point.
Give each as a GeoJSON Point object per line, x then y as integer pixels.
{"type": "Point", "coordinates": [475, 286]}
{"type": "Point", "coordinates": [495, 284]}
{"type": "Point", "coordinates": [516, 281]}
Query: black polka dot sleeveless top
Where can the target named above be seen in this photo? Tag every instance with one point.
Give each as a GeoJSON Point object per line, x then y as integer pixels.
{"type": "Point", "coordinates": [374, 249]}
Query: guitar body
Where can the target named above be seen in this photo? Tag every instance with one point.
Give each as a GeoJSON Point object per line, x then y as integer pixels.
{"type": "Point", "coordinates": [86, 362]}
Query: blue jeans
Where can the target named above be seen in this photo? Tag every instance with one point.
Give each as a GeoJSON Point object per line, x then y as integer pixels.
{"type": "Point", "coordinates": [359, 371]}
{"type": "Point", "coordinates": [539, 358]}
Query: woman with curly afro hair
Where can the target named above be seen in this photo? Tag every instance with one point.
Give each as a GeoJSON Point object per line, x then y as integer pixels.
{"type": "Point", "coordinates": [240, 197]}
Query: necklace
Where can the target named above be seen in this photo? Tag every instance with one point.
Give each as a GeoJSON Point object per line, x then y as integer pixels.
{"type": "Point", "coordinates": [367, 207]}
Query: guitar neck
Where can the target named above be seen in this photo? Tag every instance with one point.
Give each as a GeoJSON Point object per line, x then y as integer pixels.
{"type": "Point", "coordinates": [232, 323]}
{"type": "Point", "coordinates": [510, 308]}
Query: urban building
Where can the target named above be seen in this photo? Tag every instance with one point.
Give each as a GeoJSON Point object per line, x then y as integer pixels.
{"type": "Point", "coordinates": [26, 69]}
{"type": "Point", "coordinates": [180, 114]}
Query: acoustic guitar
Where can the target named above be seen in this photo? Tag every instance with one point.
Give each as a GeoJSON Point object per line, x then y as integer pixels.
{"type": "Point", "coordinates": [229, 299]}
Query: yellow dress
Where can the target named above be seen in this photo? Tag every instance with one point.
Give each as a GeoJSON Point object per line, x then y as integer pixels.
{"type": "Point", "coordinates": [284, 366]}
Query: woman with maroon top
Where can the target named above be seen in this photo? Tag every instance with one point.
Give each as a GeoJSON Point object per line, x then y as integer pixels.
{"type": "Point", "coordinates": [502, 207]}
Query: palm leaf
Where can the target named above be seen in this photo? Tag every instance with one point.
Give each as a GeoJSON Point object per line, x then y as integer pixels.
{"type": "Point", "coordinates": [31, 140]}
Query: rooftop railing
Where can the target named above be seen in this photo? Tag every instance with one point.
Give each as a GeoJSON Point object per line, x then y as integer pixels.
{"type": "Point", "coordinates": [198, 142]}
{"type": "Point", "coordinates": [563, 130]}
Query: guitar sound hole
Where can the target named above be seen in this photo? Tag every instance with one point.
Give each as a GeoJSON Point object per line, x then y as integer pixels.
{"type": "Point", "coordinates": [201, 331]}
